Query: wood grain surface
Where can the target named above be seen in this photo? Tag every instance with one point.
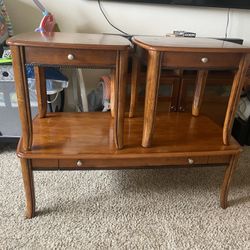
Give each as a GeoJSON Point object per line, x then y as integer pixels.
{"type": "Point", "coordinates": [70, 40]}
{"type": "Point", "coordinates": [90, 135]}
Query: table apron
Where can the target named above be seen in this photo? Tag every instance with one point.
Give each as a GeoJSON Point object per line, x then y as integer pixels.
{"type": "Point", "coordinates": [70, 57]}
{"type": "Point", "coordinates": [201, 60]}
{"type": "Point", "coordinates": [73, 164]}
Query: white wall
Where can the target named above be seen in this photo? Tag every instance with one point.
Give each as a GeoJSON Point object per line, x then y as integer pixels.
{"type": "Point", "coordinates": [139, 19]}
{"type": "Point", "coordinates": [85, 16]}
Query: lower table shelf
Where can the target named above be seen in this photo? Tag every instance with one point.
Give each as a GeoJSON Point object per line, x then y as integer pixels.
{"type": "Point", "coordinates": [79, 141]}
{"type": "Point", "coordinates": [85, 140]}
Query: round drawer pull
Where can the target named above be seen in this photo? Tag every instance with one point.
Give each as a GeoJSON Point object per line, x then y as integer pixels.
{"type": "Point", "coordinates": [79, 163]}
{"type": "Point", "coordinates": [204, 59]}
{"type": "Point", "coordinates": [190, 161]}
{"type": "Point", "coordinates": [71, 57]}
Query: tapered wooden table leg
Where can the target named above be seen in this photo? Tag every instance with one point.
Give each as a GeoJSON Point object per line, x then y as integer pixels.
{"type": "Point", "coordinates": [112, 92]}
{"type": "Point", "coordinates": [151, 96]}
{"type": "Point", "coordinates": [227, 180]}
{"type": "Point", "coordinates": [135, 76]}
{"type": "Point", "coordinates": [234, 98]}
{"type": "Point", "coordinates": [120, 97]}
{"type": "Point", "coordinates": [199, 91]}
{"type": "Point", "coordinates": [23, 99]}
{"type": "Point", "coordinates": [41, 90]}
{"type": "Point", "coordinates": [28, 187]}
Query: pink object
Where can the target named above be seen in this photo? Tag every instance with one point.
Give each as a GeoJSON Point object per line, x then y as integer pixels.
{"type": "Point", "coordinates": [106, 87]}
{"type": "Point", "coordinates": [47, 24]}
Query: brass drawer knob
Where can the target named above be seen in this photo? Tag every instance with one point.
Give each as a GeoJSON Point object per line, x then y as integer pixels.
{"type": "Point", "coordinates": [190, 161]}
{"type": "Point", "coordinates": [79, 163]}
{"type": "Point", "coordinates": [71, 57]}
{"type": "Point", "coordinates": [204, 59]}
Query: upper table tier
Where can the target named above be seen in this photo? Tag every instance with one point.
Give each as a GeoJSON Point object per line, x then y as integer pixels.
{"type": "Point", "coordinates": [69, 40]}
{"type": "Point", "coordinates": [70, 50]}
{"type": "Point", "coordinates": [173, 44]}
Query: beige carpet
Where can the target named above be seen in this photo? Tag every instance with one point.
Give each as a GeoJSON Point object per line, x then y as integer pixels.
{"type": "Point", "coordinates": [130, 209]}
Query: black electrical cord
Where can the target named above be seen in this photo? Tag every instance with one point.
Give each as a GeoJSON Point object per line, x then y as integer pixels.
{"type": "Point", "coordinates": [228, 19]}
{"type": "Point", "coordinates": [100, 6]}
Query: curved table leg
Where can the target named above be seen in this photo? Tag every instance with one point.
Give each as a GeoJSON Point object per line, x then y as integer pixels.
{"type": "Point", "coordinates": [151, 96]}
{"type": "Point", "coordinates": [41, 90]}
{"type": "Point", "coordinates": [227, 180]}
{"type": "Point", "coordinates": [112, 92]}
{"type": "Point", "coordinates": [23, 99]}
{"type": "Point", "coordinates": [28, 182]}
{"type": "Point", "coordinates": [199, 91]}
{"type": "Point", "coordinates": [234, 98]}
{"type": "Point", "coordinates": [120, 97]}
{"type": "Point", "coordinates": [135, 76]}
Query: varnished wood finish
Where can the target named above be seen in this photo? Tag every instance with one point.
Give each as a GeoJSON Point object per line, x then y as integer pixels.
{"type": "Point", "coordinates": [88, 164]}
{"type": "Point", "coordinates": [173, 44]}
{"type": "Point", "coordinates": [175, 95]}
{"type": "Point", "coordinates": [153, 75]}
{"type": "Point", "coordinates": [22, 92]}
{"type": "Point", "coordinates": [135, 76]}
{"type": "Point", "coordinates": [184, 53]}
{"type": "Point", "coordinates": [234, 98]}
{"type": "Point", "coordinates": [84, 50]}
{"type": "Point", "coordinates": [70, 40]}
{"type": "Point", "coordinates": [120, 97]}
{"type": "Point", "coordinates": [138, 77]}
{"type": "Point", "coordinates": [193, 60]}
{"type": "Point", "coordinates": [180, 99]}
{"type": "Point", "coordinates": [166, 78]}
{"type": "Point", "coordinates": [81, 57]}
{"type": "Point", "coordinates": [199, 91]}
{"type": "Point", "coordinates": [92, 140]}
{"type": "Point", "coordinates": [192, 139]}
{"type": "Point", "coordinates": [227, 180]}
{"type": "Point", "coordinates": [128, 163]}
{"type": "Point", "coordinates": [204, 55]}
{"type": "Point", "coordinates": [40, 164]}
{"type": "Point", "coordinates": [41, 90]}
{"type": "Point", "coordinates": [90, 50]}
{"type": "Point", "coordinates": [112, 92]}
{"type": "Point", "coordinates": [212, 105]}
{"type": "Point", "coordinates": [28, 187]}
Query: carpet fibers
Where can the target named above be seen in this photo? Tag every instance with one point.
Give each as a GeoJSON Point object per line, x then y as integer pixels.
{"type": "Point", "coordinates": [126, 209]}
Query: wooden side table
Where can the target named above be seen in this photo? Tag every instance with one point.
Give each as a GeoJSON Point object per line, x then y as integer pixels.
{"type": "Point", "coordinates": [184, 53]}
{"type": "Point", "coordinates": [59, 49]}
{"type": "Point", "coordinates": [80, 141]}
{"type": "Point", "coordinates": [202, 55]}
{"type": "Point", "coordinates": [63, 49]}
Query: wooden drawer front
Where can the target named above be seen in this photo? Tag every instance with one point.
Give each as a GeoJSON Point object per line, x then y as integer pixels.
{"type": "Point", "coordinates": [44, 164]}
{"type": "Point", "coordinates": [220, 159]}
{"type": "Point", "coordinates": [74, 57]}
{"type": "Point", "coordinates": [201, 60]}
{"type": "Point", "coordinates": [129, 163]}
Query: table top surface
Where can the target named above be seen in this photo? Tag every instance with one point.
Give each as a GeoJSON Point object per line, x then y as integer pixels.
{"type": "Point", "coordinates": [182, 44]}
{"type": "Point", "coordinates": [70, 40]}
{"type": "Point", "coordinates": [81, 135]}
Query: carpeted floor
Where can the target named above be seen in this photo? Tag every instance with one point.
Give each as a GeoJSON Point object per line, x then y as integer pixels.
{"type": "Point", "coordinates": [128, 209]}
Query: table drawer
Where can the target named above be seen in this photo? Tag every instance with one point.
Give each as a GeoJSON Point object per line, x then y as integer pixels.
{"type": "Point", "coordinates": [74, 57]}
{"type": "Point", "coordinates": [44, 164]}
{"type": "Point", "coordinates": [75, 164]}
{"type": "Point", "coordinates": [130, 163]}
{"type": "Point", "coordinates": [201, 60]}
{"type": "Point", "coordinates": [219, 159]}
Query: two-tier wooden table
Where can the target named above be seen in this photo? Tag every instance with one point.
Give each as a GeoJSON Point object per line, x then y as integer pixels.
{"type": "Point", "coordinates": [203, 55]}
{"type": "Point", "coordinates": [70, 134]}
{"type": "Point", "coordinates": [79, 141]}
